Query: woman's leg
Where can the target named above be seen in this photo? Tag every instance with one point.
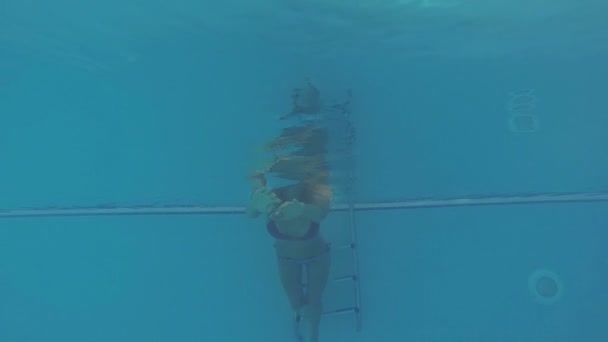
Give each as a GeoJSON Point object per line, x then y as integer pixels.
{"type": "Point", "coordinates": [318, 272]}
{"type": "Point", "coordinates": [291, 279]}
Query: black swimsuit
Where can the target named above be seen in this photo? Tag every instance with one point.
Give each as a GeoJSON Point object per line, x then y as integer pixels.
{"type": "Point", "coordinates": [312, 232]}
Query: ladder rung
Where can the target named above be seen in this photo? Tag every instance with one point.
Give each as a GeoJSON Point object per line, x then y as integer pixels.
{"type": "Point", "coordinates": [344, 278]}
{"type": "Point", "coordinates": [347, 246]}
{"type": "Point", "coordinates": [352, 309]}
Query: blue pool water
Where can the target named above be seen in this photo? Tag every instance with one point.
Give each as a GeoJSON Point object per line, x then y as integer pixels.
{"type": "Point", "coordinates": [122, 104]}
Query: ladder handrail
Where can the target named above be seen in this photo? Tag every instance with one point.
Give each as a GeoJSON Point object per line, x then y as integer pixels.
{"type": "Point", "coordinates": [357, 280]}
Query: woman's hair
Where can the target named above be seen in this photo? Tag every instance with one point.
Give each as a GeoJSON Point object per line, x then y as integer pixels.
{"type": "Point", "coordinates": [307, 165]}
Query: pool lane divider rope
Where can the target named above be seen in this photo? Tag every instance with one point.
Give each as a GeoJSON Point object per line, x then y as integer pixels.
{"type": "Point", "coordinates": [168, 209]}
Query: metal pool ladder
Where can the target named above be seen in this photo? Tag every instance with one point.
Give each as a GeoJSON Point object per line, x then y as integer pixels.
{"type": "Point", "coordinates": [353, 276]}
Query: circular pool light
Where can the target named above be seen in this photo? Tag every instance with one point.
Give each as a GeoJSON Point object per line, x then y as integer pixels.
{"type": "Point", "coordinates": [523, 123]}
{"type": "Point", "coordinates": [545, 286]}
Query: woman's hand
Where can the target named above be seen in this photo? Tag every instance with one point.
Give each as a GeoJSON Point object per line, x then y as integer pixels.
{"type": "Point", "coordinates": [288, 210]}
{"type": "Point", "coordinates": [264, 201]}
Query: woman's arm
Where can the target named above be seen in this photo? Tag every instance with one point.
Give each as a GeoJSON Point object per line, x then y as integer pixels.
{"type": "Point", "coordinates": [251, 211]}
{"type": "Point", "coordinates": [262, 201]}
